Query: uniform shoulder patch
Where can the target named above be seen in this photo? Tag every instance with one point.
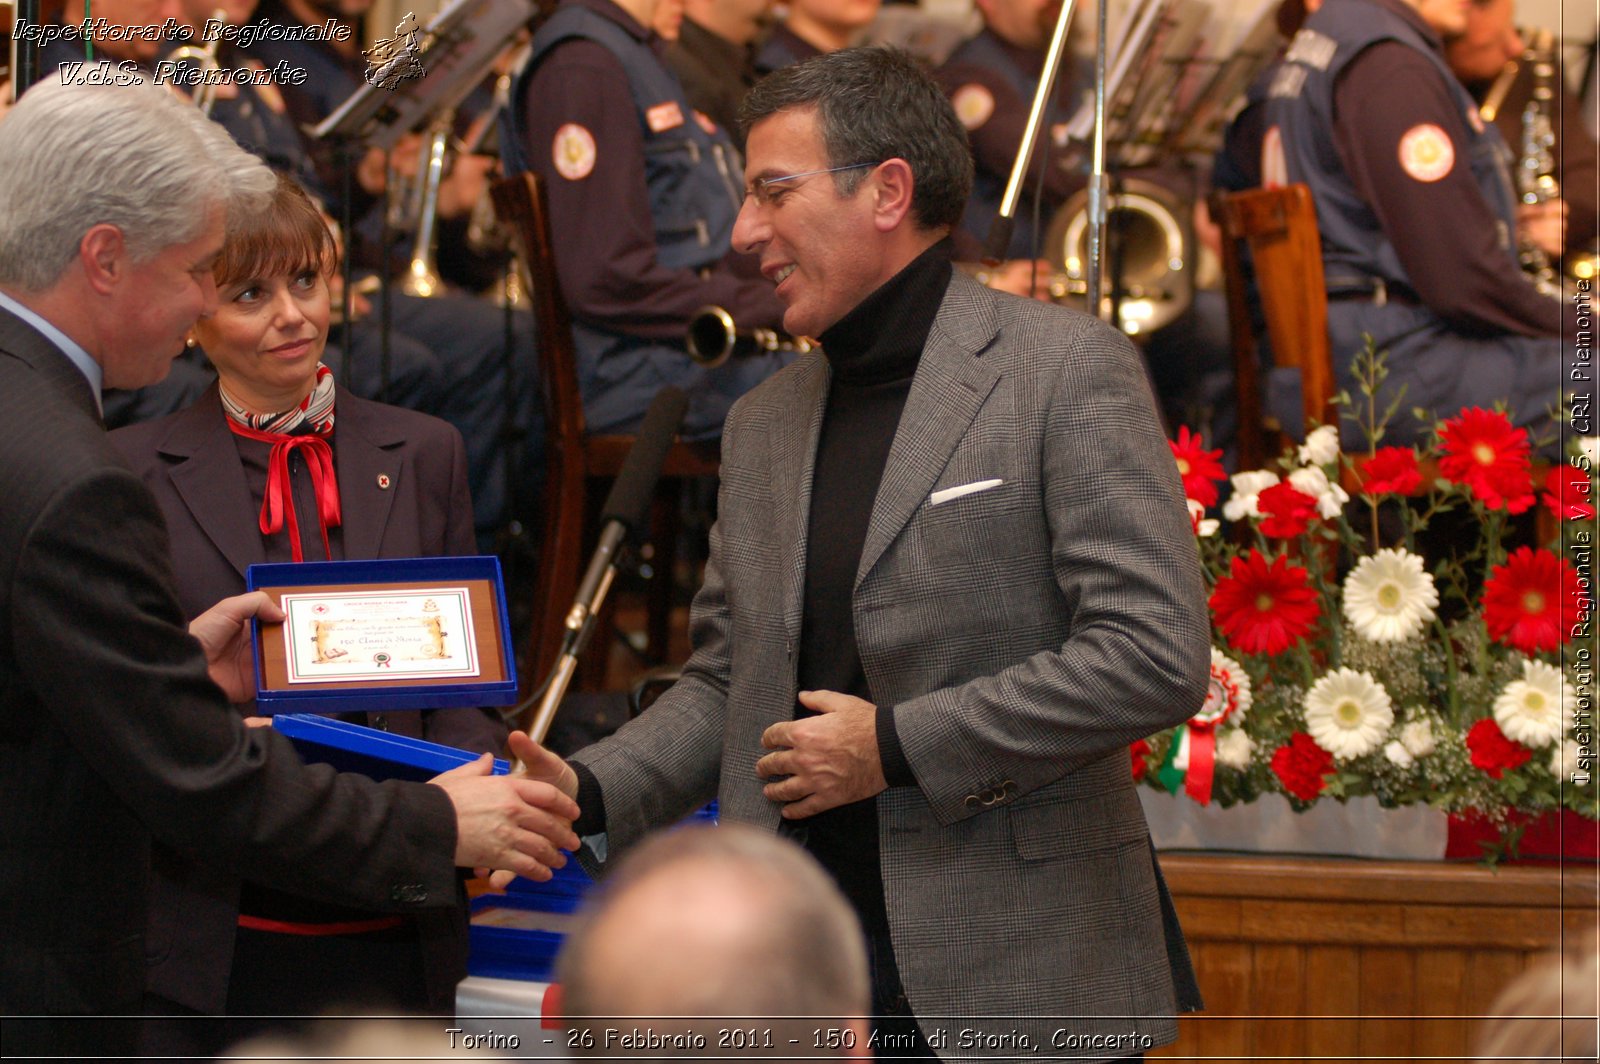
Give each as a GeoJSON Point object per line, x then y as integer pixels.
{"type": "Point", "coordinates": [664, 116]}
{"type": "Point", "coordinates": [573, 152]}
{"type": "Point", "coordinates": [1426, 153]}
{"type": "Point", "coordinates": [973, 104]}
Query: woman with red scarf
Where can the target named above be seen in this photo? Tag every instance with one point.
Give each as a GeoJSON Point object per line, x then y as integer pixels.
{"type": "Point", "coordinates": [275, 464]}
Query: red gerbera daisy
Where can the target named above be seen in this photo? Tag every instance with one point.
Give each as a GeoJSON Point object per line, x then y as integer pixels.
{"type": "Point", "coordinates": [1391, 471]}
{"type": "Point", "coordinates": [1481, 450]}
{"type": "Point", "coordinates": [1285, 510]}
{"type": "Point", "coordinates": [1139, 751]}
{"type": "Point", "coordinates": [1200, 469]}
{"type": "Point", "coordinates": [1492, 751]}
{"type": "Point", "coordinates": [1531, 602]}
{"type": "Point", "coordinates": [1264, 607]}
{"type": "Point", "coordinates": [1569, 493]}
{"type": "Point", "coordinates": [1302, 766]}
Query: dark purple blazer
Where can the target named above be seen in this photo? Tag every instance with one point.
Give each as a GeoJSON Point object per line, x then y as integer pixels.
{"type": "Point", "coordinates": [189, 461]}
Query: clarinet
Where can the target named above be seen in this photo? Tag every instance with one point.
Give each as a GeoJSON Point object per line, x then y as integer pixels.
{"type": "Point", "coordinates": [1536, 179]}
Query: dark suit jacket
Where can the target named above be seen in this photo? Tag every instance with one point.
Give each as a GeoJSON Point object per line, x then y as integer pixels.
{"type": "Point", "coordinates": [189, 461]}
{"type": "Point", "coordinates": [111, 732]}
{"type": "Point", "coordinates": [1029, 602]}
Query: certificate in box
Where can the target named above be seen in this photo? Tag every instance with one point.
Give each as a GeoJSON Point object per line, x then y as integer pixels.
{"type": "Point", "coordinates": [386, 634]}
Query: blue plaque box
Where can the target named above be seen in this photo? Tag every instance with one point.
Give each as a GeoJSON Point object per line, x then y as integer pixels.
{"type": "Point", "coordinates": [497, 686]}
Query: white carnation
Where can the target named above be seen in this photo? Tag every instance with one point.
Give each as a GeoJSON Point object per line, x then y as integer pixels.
{"type": "Point", "coordinates": [1397, 753]}
{"type": "Point", "coordinates": [1417, 737]}
{"type": "Point", "coordinates": [1247, 489]}
{"type": "Point", "coordinates": [1321, 447]}
{"type": "Point", "coordinates": [1314, 482]}
{"type": "Point", "coordinates": [1235, 749]}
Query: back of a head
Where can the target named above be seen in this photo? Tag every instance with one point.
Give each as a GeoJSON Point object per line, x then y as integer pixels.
{"type": "Point", "coordinates": [875, 104]}
{"type": "Point", "coordinates": [716, 923]}
{"type": "Point", "coordinates": [133, 156]}
{"type": "Point", "coordinates": [1549, 1011]}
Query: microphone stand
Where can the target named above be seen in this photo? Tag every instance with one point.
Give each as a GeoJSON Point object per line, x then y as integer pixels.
{"type": "Point", "coordinates": [1097, 170]}
{"type": "Point", "coordinates": [592, 592]}
{"type": "Point", "coordinates": [994, 249]}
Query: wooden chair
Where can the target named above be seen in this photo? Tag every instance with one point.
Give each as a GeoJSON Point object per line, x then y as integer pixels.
{"type": "Point", "coordinates": [575, 456]}
{"type": "Point", "coordinates": [1279, 226]}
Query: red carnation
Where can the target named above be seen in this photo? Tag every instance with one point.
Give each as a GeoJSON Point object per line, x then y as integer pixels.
{"type": "Point", "coordinates": [1391, 471]}
{"type": "Point", "coordinates": [1140, 750]}
{"type": "Point", "coordinates": [1200, 469]}
{"type": "Point", "coordinates": [1302, 766]}
{"type": "Point", "coordinates": [1569, 493]}
{"type": "Point", "coordinates": [1492, 751]}
{"type": "Point", "coordinates": [1262, 606]}
{"type": "Point", "coordinates": [1285, 510]}
{"type": "Point", "coordinates": [1483, 451]}
{"type": "Point", "coordinates": [1531, 602]}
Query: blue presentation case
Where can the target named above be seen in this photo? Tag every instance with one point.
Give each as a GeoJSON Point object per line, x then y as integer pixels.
{"type": "Point", "coordinates": [379, 755]}
{"type": "Point", "coordinates": [429, 694]}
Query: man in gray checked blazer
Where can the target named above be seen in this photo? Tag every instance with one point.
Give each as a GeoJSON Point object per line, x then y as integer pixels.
{"type": "Point", "coordinates": [951, 580]}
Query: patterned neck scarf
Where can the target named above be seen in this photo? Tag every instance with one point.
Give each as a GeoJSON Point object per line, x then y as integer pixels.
{"type": "Point", "coordinates": [304, 428]}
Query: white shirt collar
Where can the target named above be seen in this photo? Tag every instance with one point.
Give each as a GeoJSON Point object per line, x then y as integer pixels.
{"type": "Point", "coordinates": [75, 354]}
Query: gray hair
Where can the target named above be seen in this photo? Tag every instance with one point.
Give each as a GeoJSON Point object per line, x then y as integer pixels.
{"type": "Point", "coordinates": [875, 104]}
{"type": "Point", "coordinates": [793, 947]}
{"type": "Point", "coordinates": [132, 155]}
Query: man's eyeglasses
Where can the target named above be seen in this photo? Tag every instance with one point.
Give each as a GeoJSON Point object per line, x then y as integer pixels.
{"type": "Point", "coordinates": [760, 189]}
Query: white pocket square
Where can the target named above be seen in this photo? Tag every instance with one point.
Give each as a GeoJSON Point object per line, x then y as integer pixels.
{"type": "Point", "coordinates": [946, 494]}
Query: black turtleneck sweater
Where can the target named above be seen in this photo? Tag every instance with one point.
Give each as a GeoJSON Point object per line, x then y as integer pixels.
{"type": "Point", "coordinates": [873, 352]}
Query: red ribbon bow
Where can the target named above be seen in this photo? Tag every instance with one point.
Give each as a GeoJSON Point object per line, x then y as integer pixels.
{"type": "Point", "coordinates": [277, 506]}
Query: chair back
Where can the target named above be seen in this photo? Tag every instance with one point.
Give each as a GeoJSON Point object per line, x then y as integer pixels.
{"type": "Point", "coordinates": [1279, 226]}
{"type": "Point", "coordinates": [524, 210]}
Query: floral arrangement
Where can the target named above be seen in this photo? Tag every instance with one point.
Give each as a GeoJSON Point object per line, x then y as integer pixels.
{"type": "Point", "coordinates": [1377, 630]}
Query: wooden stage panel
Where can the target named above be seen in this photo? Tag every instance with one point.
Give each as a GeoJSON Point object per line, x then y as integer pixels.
{"type": "Point", "coordinates": [1328, 958]}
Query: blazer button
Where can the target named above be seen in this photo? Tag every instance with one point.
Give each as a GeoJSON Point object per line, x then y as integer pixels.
{"type": "Point", "coordinates": [973, 801]}
{"type": "Point", "coordinates": [409, 893]}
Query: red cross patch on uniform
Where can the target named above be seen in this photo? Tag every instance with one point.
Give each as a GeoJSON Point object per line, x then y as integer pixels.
{"type": "Point", "coordinates": [664, 116]}
{"type": "Point", "coordinates": [973, 104]}
{"type": "Point", "coordinates": [573, 152]}
{"type": "Point", "coordinates": [1426, 153]}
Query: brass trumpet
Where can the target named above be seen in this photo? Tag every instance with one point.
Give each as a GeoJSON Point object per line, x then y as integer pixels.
{"type": "Point", "coordinates": [713, 338]}
{"type": "Point", "coordinates": [204, 57]}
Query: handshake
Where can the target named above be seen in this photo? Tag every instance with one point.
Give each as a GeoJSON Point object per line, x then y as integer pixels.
{"type": "Point", "coordinates": [518, 824]}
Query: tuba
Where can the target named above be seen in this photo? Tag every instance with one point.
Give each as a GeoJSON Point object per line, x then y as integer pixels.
{"type": "Point", "coordinates": [1146, 228]}
{"type": "Point", "coordinates": [713, 338]}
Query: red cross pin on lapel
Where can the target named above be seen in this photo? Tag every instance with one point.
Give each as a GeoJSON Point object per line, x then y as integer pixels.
{"type": "Point", "coordinates": [383, 482]}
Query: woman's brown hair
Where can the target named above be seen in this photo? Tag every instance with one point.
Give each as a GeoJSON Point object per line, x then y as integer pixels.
{"type": "Point", "coordinates": [288, 237]}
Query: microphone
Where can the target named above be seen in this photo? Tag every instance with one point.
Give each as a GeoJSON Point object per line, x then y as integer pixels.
{"type": "Point", "coordinates": [629, 502]}
{"type": "Point", "coordinates": [622, 515]}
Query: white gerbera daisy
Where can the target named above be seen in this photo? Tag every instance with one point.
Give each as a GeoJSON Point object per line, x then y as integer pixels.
{"type": "Point", "coordinates": [1235, 748]}
{"type": "Point", "coordinates": [1247, 489]}
{"type": "Point", "coordinates": [1417, 737]}
{"type": "Point", "coordinates": [1321, 447]}
{"type": "Point", "coordinates": [1566, 764]}
{"type": "Point", "coordinates": [1396, 752]}
{"type": "Point", "coordinates": [1389, 597]}
{"type": "Point", "coordinates": [1314, 482]}
{"type": "Point", "coordinates": [1348, 713]}
{"type": "Point", "coordinates": [1531, 710]}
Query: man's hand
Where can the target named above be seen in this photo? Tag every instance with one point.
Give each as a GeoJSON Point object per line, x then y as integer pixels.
{"type": "Point", "coordinates": [534, 762]}
{"type": "Point", "coordinates": [224, 635]}
{"type": "Point", "coordinates": [830, 760]}
{"type": "Point", "coordinates": [1544, 226]}
{"type": "Point", "coordinates": [516, 825]}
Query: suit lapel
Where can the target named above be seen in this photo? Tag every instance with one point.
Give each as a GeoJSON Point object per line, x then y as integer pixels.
{"type": "Point", "coordinates": [794, 460]}
{"type": "Point", "coordinates": [369, 472]}
{"type": "Point", "coordinates": [209, 478]}
{"type": "Point", "coordinates": [950, 386]}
